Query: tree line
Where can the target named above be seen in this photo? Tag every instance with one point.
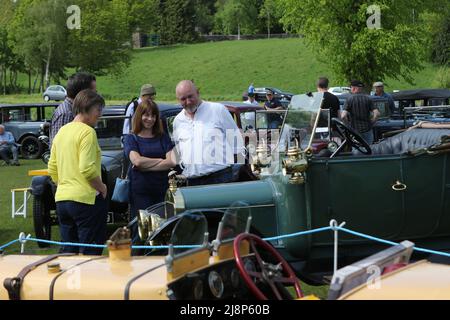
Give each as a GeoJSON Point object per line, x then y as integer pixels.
{"type": "Point", "coordinates": [36, 39]}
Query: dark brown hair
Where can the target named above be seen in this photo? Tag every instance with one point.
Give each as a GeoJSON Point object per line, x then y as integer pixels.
{"type": "Point", "coordinates": [322, 82]}
{"type": "Point", "coordinates": [79, 82]}
{"type": "Point", "coordinates": [86, 100]}
{"type": "Point", "coordinates": [144, 107]}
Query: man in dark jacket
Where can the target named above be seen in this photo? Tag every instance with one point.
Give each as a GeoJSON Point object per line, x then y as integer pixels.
{"type": "Point", "coordinates": [273, 103]}
{"type": "Point", "coordinates": [360, 111]}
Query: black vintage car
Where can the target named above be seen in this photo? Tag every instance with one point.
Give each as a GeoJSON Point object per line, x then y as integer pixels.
{"type": "Point", "coordinates": [24, 122]}
{"type": "Point", "coordinates": [421, 97]}
{"type": "Point", "coordinates": [411, 106]}
{"type": "Point", "coordinates": [109, 133]}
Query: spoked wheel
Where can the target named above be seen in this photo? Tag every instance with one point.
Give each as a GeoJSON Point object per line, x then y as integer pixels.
{"type": "Point", "coordinates": [276, 276]}
{"type": "Point", "coordinates": [31, 147]}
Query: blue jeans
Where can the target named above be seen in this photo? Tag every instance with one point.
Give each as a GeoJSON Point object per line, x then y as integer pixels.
{"type": "Point", "coordinates": [83, 223]}
{"type": "Point", "coordinates": [7, 150]}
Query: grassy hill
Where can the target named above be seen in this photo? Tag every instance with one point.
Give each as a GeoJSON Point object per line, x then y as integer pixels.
{"type": "Point", "coordinates": [223, 70]}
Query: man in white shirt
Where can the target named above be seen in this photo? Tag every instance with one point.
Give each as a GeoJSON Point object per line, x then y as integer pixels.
{"type": "Point", "coordinates": [207, 138]}
{"type": "Point", "coordinates": [251, 99]}
{"type": "Point", "coordinates": [147, 92]}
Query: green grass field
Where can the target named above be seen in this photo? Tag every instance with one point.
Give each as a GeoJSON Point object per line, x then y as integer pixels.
{"type": "Point", "coordinates": [224, 70]}
{"type": "Point", "coordinates": [12, 178]}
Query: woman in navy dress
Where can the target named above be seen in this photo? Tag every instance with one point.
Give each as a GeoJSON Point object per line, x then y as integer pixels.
{"type": "Point", "coordinates": [149, 150]}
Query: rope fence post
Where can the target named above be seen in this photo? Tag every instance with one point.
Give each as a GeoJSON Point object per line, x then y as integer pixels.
{"type": "Point", "coordinates": [335, 227]}
{"type": "Point", "coordinates": [23, 241]}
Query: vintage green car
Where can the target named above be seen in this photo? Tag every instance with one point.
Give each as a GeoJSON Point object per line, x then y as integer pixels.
{"type": "Point", "coordinates": [397, 189]}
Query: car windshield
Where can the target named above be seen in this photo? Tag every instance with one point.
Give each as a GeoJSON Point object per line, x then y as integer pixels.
{"type": "Point", "coordinates": [234, 222]}
{"type": "Point", "coordinates": [302, 120]}
{"type": "Point", "coordinates": [189, 230]}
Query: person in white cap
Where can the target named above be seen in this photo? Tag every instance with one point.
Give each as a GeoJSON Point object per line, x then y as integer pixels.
{"type": "Point", "coordinates": [379, 92]}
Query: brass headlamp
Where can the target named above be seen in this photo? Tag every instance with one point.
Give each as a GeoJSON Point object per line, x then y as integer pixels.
{"type": "Point", "coordinates": [296, 163]}
{"type": "Point", "coordinates": [262, 159]}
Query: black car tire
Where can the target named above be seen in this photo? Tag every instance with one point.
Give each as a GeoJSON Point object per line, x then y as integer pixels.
{"type": "Point", "coordinates": [42, 221]}
{"type": "Point", "coordinates": [46, 98]}
{"type": "Point", "coordinates": [31, 147]}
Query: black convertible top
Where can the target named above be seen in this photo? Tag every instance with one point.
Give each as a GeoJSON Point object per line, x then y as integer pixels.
{"type": "Point", "coordinates": [419, 94]}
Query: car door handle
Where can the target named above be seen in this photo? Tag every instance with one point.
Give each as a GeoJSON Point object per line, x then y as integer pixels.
{"type": "Point", "coordinates": [398, 186]}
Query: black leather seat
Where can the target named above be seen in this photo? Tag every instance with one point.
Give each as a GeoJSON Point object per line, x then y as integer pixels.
{"type": "Point", "coordinates": [409, 141]}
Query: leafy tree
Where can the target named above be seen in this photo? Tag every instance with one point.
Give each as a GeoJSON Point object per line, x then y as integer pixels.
{"type": "Point", "coordinates": [143, 14]}
{"type": "Point", "coordinates": [339, 33]}
{"type": "Point", "coordinates": [204, 17]}
{"type": "Point", "coordinates": [236, 16]}
{"type": "Point", "coordinates": [177, 21]}
{"type": "Point", "coordinates": [39, 35]}
{"type": "Point", "coordinates": [102, 44]}
{"type": "Point", "coordinates": [271, 13]}
{"type": "Point", "coordinates": [438, 27]}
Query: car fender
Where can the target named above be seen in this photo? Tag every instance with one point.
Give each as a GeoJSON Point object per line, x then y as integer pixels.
{"type": "Point", "coordinates": [40, 184]}
{"type": "Point", "coordinates": [27, 134]}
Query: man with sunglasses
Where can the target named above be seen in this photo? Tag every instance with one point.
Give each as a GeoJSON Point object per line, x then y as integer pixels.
{"type": "Point", "coordinates": [148, 92]}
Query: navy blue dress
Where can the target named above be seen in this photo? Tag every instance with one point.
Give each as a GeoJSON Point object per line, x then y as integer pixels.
{"type": "Point", "coordinates": [147, 188]}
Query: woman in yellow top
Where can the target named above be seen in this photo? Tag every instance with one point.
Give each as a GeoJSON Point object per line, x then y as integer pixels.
{"type": "Point", "coordinates": [75, 166]}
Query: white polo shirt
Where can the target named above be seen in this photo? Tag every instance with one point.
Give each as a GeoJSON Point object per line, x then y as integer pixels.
{"type": "Point", "coordinates": [208, 142]}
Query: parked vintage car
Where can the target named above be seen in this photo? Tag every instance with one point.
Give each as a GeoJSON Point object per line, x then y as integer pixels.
{"type": "Point", "coordinates": [24, 122]}
{"type": "Point", "coordinates": [383, 190]}
{"type": "Point", "coordinates": [407, 113]}
{"type": "Point", "coordinates": [235, 265]}
{"type": "Point", "coordinates": [421, 97]}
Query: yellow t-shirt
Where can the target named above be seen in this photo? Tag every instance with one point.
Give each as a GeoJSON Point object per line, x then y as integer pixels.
{"type": "Point", "coordinates": [74, 161]}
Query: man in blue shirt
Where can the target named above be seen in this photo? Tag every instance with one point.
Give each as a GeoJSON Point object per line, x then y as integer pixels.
{"type": "Point", "coordinates": [7, 146]}
{"type": "Point", "coordinates": [379, 92]}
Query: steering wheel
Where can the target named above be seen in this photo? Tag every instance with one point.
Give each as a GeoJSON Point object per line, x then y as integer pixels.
{"type": "Point", "coordinates": [270, 274]}
{"type": "Point", "coordinates": [352, 137]}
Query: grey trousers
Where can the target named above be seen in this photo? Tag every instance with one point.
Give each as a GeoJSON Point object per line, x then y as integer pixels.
{"type": "Point", "coordinates": [7, 150]}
